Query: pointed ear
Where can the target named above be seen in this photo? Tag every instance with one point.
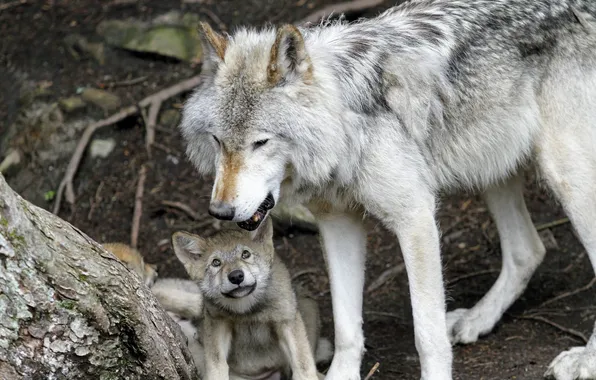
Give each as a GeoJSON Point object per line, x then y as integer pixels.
{"type": "Point", "coordinates": [288, 57]}
{"type": "Point", "coordinates": [214, 45]}
{"type": "Point", "coordinates": [264, 234]}
{"type": "Point", "coordinates": [188, 247]}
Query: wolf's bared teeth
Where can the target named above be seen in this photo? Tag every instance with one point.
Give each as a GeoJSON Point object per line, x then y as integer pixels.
{"type": "Point", "coordinates": [256, 218]}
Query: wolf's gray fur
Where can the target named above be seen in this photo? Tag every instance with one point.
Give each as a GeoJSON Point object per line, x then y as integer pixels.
{"type": "Point", "coordinates": [382, 115]}
{"type": "Point", "coordinates": [257, 329]}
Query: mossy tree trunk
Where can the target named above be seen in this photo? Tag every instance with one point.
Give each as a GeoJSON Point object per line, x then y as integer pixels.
{"type": "Point", "coordinates": [70, 310]}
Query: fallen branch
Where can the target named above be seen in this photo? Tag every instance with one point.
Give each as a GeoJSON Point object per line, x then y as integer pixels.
{"type": "Point", "coordinates": [564, 329]}
{"type": "Point", "coordinates": [97, 318]}
{"type": "Point", "coordinates": [152, 100]}
{"type": "Point", "coordinates": [554, 223]}
{"type": "Point", "coordinates": [151, 123]}
{"type": "Point", "coordinates": [138, 211]}
{"type": "Point", "coordinates": [348, 6]}
{"type": "Point", "coordinates": [387, 275]}
{"type": "Point", "coordinates": [372, 371]}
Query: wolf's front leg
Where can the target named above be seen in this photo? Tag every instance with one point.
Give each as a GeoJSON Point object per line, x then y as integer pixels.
{"type": "Point", "coordinates": [217, 341]}
{"type": "Point", "coordinates": [344, 242]}
{"type": "Point", "coordinates": [295, 345]}
{"type": "Point", "coordinates": [578, 363]}
{"type": "Point", "coordinates": [419, 240]}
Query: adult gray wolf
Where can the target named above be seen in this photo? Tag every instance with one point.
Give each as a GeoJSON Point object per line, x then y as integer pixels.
{"type": "Point", "coordinates": [252, 324]}
{"type": "Point", "coordinates": [380, 116]}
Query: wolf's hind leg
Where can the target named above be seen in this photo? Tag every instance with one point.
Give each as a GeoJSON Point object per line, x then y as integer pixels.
{"type": "Point", "coordinates": [522, 251]}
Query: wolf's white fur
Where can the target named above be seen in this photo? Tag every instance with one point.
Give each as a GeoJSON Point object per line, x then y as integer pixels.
{"type": "Point", "coordinates": [430, 96]}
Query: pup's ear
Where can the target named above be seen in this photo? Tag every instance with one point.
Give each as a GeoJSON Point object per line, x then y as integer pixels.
{"type": "Point", "coordinates": [188, 247]}
{"type": "Point", "coordinates": [288, 58]}
{"type": "Point", "coordinates": [214, 45]}
{"type": "Point", "coordinates": [264, 234]}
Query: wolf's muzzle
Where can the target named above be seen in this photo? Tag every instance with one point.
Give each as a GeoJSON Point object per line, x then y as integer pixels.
{"type": "Point", "coordinates": [222, 210]}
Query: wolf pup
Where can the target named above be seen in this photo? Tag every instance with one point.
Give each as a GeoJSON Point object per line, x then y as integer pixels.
{"type": "Point", "coordinates": [253, 326]}
{"type": "Point", "coordinates": [381, 116]}
{"type": "Point", "coordinates": [133, 259]}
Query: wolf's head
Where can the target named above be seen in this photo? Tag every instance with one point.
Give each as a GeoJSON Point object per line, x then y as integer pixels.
{"type": "Point", "coordinates": [252, 118]}
{"type": "Point", "coordinates": [232, 267]}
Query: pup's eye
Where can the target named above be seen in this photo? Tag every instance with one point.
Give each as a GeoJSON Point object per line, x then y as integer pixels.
{"type": "Point", "coordinates": [215, 263]}
{"type": "Point", "coordinates": [216, 139]}
{"type": "Point", "coordinates": [245, 254]}
{"type": "Point", "coordinates": [260, 143]}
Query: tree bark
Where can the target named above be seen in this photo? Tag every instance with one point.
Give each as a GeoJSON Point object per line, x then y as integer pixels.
{"type": "Point", "coordinates": [70, 310]}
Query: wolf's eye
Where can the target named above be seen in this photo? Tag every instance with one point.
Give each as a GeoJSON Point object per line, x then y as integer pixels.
{"type": "Point", "coordinates": [216, 140]}
{"type": "Point", "coordinates": [245, 254]}
{"type": "Point", "coordinates": [215, 263]}
{"type": "Point", "coordinates": [260, 143]}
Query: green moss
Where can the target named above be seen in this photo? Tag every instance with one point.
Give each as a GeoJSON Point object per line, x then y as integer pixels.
{"type": "Point", "coordinates": [83, 277]}
{"type": "Point", "coordinates": [16, 239]}
{"type": "Point", "coordinates": [3, 222]}
{"type": "Point", "coordinates": [68, 304]}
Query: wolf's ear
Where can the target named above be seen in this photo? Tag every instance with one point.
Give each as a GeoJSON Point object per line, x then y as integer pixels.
{"type": "Point", "coordinates": [214, 45]}
{"type": "Point", "coordinates": [288, 58]}
{"type": "Point", "coordinates": [264, 234]}
{"type": "Point", "coordinates": [188, 247]}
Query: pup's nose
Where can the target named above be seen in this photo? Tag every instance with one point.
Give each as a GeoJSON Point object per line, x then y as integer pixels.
{"type": "Point", "coordinates": [221, 210]}
{"type": "Point", "coordinates": [236, 277]}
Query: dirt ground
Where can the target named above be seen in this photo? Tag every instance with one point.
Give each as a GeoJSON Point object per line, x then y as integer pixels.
{"type": "Point", "coordinates": [519, 348]}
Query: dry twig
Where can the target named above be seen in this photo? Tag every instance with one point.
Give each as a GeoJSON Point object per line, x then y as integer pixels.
{"type": "Point", "coordinates": [154, 101]}
{"type": "Point", "coordinates": [138, 211]}
{"type": "Point", "coordinates": [214, 18]}
{"type": "Point", "coordinates": [569, 331]}
{"type": "Point", "coordinates": [372, 371]}
{"type": "Point", "coordinates": [183, 207]}
{"type": "Point", "coordinates": [12, 4]}
{"type": "Point", "coordinates": [386, 276]}
{"type": "Point", "coordinates": [554, 223]}
{"type": "Point", "coordinates": [473, 274]}
{"type": "Point", "coordinates": [568, 294]}
{"type": "Point", "coordinates": [129, 82]}
{"type": "Point", "coordinates": [339, 8]}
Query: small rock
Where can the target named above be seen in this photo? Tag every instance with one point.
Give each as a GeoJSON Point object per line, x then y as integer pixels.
{"type": "Point", "coordinates": [79, 47]}
{"type": "Point", "coordinates": [103, 99]}
{"type": "Point", "coordinates": [170, 35]}
{"type": "Point", "coordinates": [82, 351]}
{"type": "Point", "coordinates": [71, 104]}
{"type": "Point", "coordinates": [101, 148]}
{"type": "Point", "coordinates": [169, 118]}
{"type": "Point", "coordinates": [285, 217]}
{"type": "Point", "coordinates": [548, 239]}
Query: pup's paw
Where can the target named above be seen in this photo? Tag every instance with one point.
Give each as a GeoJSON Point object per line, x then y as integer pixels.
{"type": "Point", "coordinates": [577, 363]}
{"type": "Point", "coordinates": [464, 327]}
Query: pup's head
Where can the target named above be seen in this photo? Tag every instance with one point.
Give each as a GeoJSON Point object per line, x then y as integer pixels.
{"type": "Point", "coordinates": [232, 268]}
{"type": "Point", "coordinates": [241, 121]}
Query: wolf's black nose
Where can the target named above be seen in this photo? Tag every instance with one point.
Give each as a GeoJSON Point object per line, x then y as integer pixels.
{"type": "Point", "coordinates": [236, 277]}
{"type": "Point", "coordinates": [221, 210]}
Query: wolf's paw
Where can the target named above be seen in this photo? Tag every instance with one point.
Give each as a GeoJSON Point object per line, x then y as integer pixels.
{"type": "Point", "coordinates": [345, 366]}
{"type": "Point", "coordinates": [465, 327]}
{"type": "Point", "coordinates": [577, 363]}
